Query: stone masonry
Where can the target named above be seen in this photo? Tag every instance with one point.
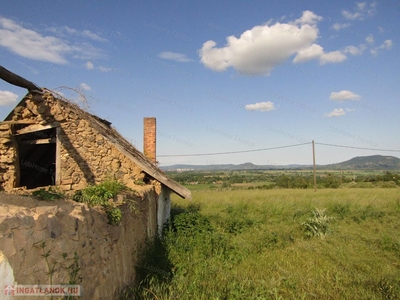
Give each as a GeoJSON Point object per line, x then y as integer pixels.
{"type": "Point", "coordinates": [107, 255]}
{"type": "Point", "coordinates": [86, 156]}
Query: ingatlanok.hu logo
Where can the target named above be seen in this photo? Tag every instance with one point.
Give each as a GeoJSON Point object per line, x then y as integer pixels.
{"type": "Point", "coordinates": [42, 290]}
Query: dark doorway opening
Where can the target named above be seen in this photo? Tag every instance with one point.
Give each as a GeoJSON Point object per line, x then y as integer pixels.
{"type": "Point", "coordinates": [37, 158]}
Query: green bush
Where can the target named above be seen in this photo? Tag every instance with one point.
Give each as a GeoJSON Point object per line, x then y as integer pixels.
{"type": "Point", "coordinates": [101, 194]}
{"type": "Point", "coordinates": [264, 187]}
{"type": "Point", "coordinates": [114, 215]}
{"type": "Point", "coordinates": [370, 212]}
{"type": "Point", "coordinates": [49, 195]}
{"type": "Point", "coordinates": [341, 209]}
{"type": "Point", "coordinates": [388, 184]}
{"type": "Point", "coordinates": [225, 185]}
{"type": "Point", "coordinates": [191, 223]}
{"type": "Point", "coordinates": [237, 223]}
{"type": "Point", "coordinates": [284, 181]}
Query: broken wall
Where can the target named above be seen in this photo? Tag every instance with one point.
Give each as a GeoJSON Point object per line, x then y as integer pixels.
{"type": "Point", "coordinates": [107, 255]}
{"type": "Point", "coordinates": [7, 159]}
{"type": "Point", "coordinates": [85, 155]}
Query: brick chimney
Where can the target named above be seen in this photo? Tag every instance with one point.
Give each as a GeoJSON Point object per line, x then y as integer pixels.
{"type": "Point", "coordinates": [149, 138]}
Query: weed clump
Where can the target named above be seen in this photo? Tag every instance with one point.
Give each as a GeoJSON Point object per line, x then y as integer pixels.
{"type": "Point", "coordinates": [318, 225]}
{"type": "Point", "coordinates": [47, 195]}
{"type": "Point", "coordinates": [102, 194]}
{"type": "Point", "coordinates": [99, 194]}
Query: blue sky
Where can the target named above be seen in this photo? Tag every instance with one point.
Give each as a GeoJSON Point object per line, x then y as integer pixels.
{"type": "Point", "coordinates": [219, 76]}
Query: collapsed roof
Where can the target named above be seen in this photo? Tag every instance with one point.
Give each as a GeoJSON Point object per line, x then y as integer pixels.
{"type": "Point", "coordinates": [102, 126]}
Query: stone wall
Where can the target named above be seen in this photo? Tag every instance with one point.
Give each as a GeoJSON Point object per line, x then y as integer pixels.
{"type": "Point", "coordinates": [86, 156]}
{"type": "Point", "coordinates": [107, 255]}
{"type": "Point", "coordinates": [7, 159]}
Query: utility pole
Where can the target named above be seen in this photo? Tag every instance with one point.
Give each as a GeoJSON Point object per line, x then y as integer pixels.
{"type": "Point", "coordinates": [313, 156]}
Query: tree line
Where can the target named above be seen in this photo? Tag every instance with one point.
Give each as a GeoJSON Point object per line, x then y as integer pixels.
{"type": "Point", "coordinates": [285, 179]}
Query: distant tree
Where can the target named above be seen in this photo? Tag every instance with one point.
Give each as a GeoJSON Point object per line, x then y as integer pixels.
{"type": "Point", "coordinates": [301, 182]}
{"type": "Point", "coordinates": [284, 181]}
{"type": "Point", "coordinates": [236, 179]}
{"type": "Point", "coordinates": [388, 176]}
{"type": "Point", "coordinates": [225, 184]}
{"type": "Point", "coordinates": [332, 181]}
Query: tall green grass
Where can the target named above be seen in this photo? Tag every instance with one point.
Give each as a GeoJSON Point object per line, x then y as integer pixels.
{"type": "Point", "coordinates": [253, 245]}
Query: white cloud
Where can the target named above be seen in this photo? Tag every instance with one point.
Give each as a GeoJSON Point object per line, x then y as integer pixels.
{"type": "Point", "coordinates": [104, 69]}
{"type": "Point", "coordinates": [317, 52]}
{"type": "Point", "coordinates": [370, 39]}
{"type": "Point", "coordinates": [352, 16]}
{"type": "Point", "coordinates": [340, 26]}
{"type": "Point", "coordinates": [7, 98]}
{"type": "Point", "coordinates": [174, 56]}
{"type": "Point", "coordinates": [30, 44]}
{"type": "Point", "coordinates": [67, 29]}
{"type": "Point", "coordinates": [89, 65]}
{"type": "Point", "coordinates": [261, 106]}
{"type": "Point", "coordinates": [93, 36]}
{"type": "Point", "coordinates": [83, 86]}
{"type": "Point", "coordinates": [372, 9]}
{"type": "Point", "coordinates": [332, 57]}
{"type": "Point", "coordinates": [353, 50]}
{"type": "Point", "coordinates": [361, 11]}
{"type": "Point", "coordinates": [385, 46]}
{"type": "Point", "coordinates": [308, 18]}
{"type": "Point", "coordinates": [313, 52]}
{"type": "Point", "coordinates": [361, 5]}
{"type": "Point", "coordinates": [86, 51]}
{"type": "Point", "coordinates": [33, 45]}
{"type": "Point", "coordinates": [337, 112]}
{"type": "Point", "coordinates": [344, 95]}
{"type": "Point", "coordinates": [85, 34]}
{"type": "Point", "coordinates": [259, 50]}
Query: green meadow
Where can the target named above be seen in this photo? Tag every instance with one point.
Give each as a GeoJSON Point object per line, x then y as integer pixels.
{"type": "Point", "coordinates": [276, 244]}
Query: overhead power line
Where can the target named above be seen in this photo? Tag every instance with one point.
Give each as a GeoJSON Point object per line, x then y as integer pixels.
{"type": "Point", "coordinates": [361, 148]}
{"type": "Point", "coordinates": [233, 152]}
{"type": "Point", "coordinates": [273, 148]}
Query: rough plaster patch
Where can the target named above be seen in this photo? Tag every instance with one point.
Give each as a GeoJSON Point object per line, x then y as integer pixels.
{"type": "Point", "coordinates": [6, 275]}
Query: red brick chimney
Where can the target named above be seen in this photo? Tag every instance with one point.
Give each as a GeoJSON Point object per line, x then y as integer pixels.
{"type": "Point", "coordinates": [149, 138]}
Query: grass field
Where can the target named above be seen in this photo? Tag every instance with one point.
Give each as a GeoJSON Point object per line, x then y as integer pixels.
{"type": "Point", "coordinates": [268, 244]}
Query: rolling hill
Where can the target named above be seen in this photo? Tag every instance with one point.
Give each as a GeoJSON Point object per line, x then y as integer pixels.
{"type": "Point", "coordinates": [372, 162]}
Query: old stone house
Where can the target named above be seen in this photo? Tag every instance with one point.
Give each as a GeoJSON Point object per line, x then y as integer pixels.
{"type": "Point", "coordinates": [48, 140]}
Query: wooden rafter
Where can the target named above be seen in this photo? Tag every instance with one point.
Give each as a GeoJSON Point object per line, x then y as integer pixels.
{"type": "Point", "coordinates": [17, 80]}
{"type": "Point", "coordinates": [39, 141]}
{"type": "Point", "coordinates": [37, 127]}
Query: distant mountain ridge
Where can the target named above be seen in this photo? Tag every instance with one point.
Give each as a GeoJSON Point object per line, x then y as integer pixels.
{"type": "Point", "coordinates": [372, 162]}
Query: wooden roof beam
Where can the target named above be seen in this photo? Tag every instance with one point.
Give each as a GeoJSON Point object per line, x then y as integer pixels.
{"type": "Point", "coordinates": [17, 80]}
